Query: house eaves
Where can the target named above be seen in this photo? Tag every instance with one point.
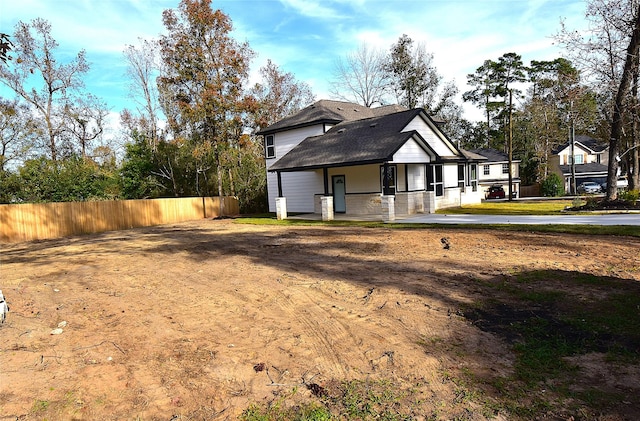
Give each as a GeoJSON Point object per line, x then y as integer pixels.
{"type": "Point", "coordinates": [327, 151]}
{"type": "Point", "coordinates": [587, 143]}
{"type": "Point", "coordinates": [359, 142]}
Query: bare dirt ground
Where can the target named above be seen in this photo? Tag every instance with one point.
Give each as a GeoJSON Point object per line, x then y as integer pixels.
{"type": "Point", "coordinates": [199, 320]}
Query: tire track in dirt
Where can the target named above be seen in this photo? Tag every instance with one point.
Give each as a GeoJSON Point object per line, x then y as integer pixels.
{"type": "Point", "coordinates": [325, 332]}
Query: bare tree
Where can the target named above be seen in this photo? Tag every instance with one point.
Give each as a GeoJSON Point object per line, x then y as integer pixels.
{"type": "Point", "coordinates": [35, 62]}
{"type": "Point", "coordinates": [361, 77]}
{"type": "Point", "coordinates": [608, 57]}
{"type": "Point", "coordinates": [142, 70]}
{"type": "Point", "coordinates": [85, 122]}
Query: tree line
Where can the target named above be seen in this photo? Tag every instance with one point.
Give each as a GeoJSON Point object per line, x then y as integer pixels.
{"type": "Point", "coordinates": [187, 131]}
{"type": "Point", "coordinates": [190, 126]}
{"type": "Point", "coordinates": [529, 109]}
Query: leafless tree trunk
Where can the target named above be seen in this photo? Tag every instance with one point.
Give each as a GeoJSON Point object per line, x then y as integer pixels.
{"type": "Point", "coordinates": [35, 48]}
{"type": "Point", "coordinates": [619, 108]}
{"type": "Point", "coordinates": [142, 71]}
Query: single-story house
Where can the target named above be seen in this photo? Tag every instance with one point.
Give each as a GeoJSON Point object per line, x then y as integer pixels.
{"type": "Point", "coordinates": [591, 159]}
{"type": "Point", "coordinates": [495, 171]}
{"type": "Point", "coordinates": [338, 157]}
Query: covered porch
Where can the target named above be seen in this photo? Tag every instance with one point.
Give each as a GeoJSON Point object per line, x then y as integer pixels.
{"type": "Point", "coordinates": [384, 192]}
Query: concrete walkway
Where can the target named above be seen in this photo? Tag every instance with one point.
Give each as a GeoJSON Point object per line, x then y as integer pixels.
{"type": "Point", "coordinates": [601, 219]}
{"type": "Point", "coordinates": [605, 219]}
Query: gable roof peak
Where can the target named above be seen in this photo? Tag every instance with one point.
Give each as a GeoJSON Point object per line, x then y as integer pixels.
{"type": "Point", "coordinates": [328, 111]}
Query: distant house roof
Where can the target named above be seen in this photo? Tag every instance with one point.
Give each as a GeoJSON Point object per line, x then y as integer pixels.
{"type": "Point", "coordinates": [590, 168]}
{"type": "Point", "coordinates": [472, 156]}
{"type": "Point", "coordinates": [331, 112]}
{"type": "Point", "coordinates": [493, 155]}
{"type": "Point", "coordinates": [363, 141]}
{"type": "Point", "coordinates": [587, 142]}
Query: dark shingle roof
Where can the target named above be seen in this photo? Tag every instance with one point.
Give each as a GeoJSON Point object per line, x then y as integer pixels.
{"type": "Point", "coordinates": [587, 141]}
{"type": "Point", "coordinates": [492, 155]}
{"type": "Point", "coordinates": [472, 156]}
{"type": "Point", "coordinates": [328, 111]}
{"type": "Point", "coordinates": [368, 140]}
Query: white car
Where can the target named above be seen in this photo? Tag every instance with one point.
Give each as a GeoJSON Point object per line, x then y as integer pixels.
{"type": "Point", "coordinates": [589, 187]}
{"type": "Point", "coordinates": [622, 183]}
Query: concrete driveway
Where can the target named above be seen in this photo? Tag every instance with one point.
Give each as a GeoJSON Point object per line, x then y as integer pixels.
{"type": "Point", "coordinates": [605, 219]}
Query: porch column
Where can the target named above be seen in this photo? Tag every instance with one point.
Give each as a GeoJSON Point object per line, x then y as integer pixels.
{"type": "Point", "coordinates": [281, 208]}
{"type": "Point", "coordinates": [430, 202]}
{"type": "Point", "coordinates": [388, 208]}
{"type": "Point", "coordinates": [327, 208]}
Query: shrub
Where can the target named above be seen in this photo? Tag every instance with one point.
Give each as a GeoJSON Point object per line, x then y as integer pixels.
{"type": "Point", "coordinates": [630, 196]}
{"type": "Point", "coordinates": [592, 203]}
{"type": "Point", "coordinates": [552, 186]}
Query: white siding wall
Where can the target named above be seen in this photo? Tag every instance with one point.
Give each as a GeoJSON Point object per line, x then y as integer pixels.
{"type": "Point", "coordinates": [438, 145]}
{"type": "Point", "coordinates": [450, 175]}
{"type": "Point", "coordinates": [297, 187]}
{"type": "Point", "coordinates": [566, 153]}
{"type": "Point", "coordinates": [495, 172]}
{"type": "Point", "coordinates": [470, 197]}
{"type": "Point", "coordinates": [417, 178]}
{"type": "Point", "coordinates": [411, 153]}
{"type": "Point", "coordinates": [285, 141]}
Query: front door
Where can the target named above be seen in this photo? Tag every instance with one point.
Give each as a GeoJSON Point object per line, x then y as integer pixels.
{"type": "Point", "coordinates": [339, 191]}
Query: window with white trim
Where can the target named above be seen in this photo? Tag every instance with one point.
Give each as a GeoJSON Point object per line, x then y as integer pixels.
{"type": "Point", "coordinates": [269, 146]}
{"type": "Point", "coordinates": [505, 168]}
{"type": "Point", "coordinates": [435, 179]}
{"type": "Point", "coordinates": [485, 169]}
{"type": "Point", "coordinates": [579, 159]}
{"type": "Point", "coordinates": [461, 176]}
{"type": "Point", "coordinates": [391, 177]}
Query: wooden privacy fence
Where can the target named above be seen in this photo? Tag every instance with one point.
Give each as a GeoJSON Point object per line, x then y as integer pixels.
{"type": "Point", "coordinates": [39, 221]}
{"type": "Point", "coordinates": [530, 191]}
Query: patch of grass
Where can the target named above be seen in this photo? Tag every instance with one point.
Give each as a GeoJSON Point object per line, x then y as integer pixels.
{"type": "Point", "coordinates": [525, 207]}
{"type": "Point", "coordinates": [540, 354]}
{"type": "Point", "coordinates": [308, 412]}
{"type": "Point", "coordinates": [353, 399]}
{"type": "Point", "coordinates": [618, 230]}
{"type": "Point", "coordinates": [40, 406]}
{"type": "Point", "coordinates": [549, 316]}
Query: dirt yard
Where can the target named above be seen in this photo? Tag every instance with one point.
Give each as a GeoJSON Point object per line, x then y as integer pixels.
{"type": "Point", "coordinates": [200, 320]}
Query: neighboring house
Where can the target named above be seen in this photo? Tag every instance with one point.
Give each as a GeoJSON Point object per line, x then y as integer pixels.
{"type": "Point", "coordinates": [591, 159]}
{"type": "Point", "coordinates": [495, 171]}
{"type": "Point", "coordinates": [341, 157]}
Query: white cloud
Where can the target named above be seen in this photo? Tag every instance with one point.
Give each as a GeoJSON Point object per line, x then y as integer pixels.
{"type": "Point", "coordinates": [312, 8]}
{"type": "Point", "coordinates": [305, 37]}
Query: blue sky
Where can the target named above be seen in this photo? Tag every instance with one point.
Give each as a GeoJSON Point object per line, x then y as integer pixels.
{"type": "Point", "coordinates": [305, 37]}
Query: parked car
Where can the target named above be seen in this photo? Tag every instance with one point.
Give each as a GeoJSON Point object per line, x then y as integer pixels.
{"type": "Point", "coordinates": [589, 187]}
{"type": "Point", "coordinates": [622, 183]}
{"type": "Point", "coordinates": [495, 192]}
